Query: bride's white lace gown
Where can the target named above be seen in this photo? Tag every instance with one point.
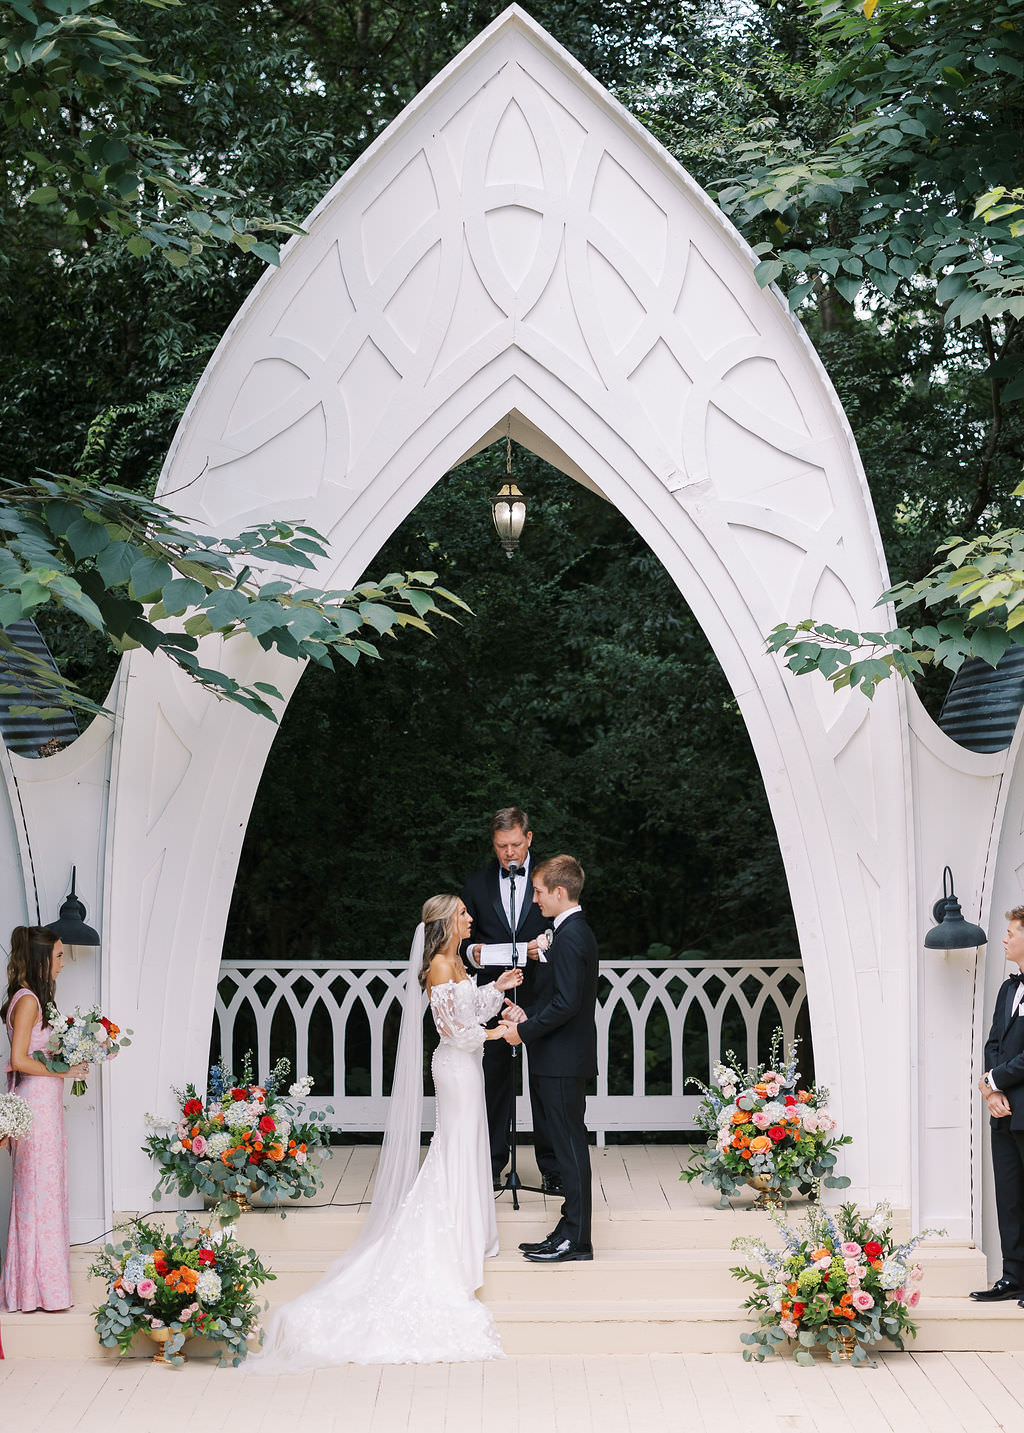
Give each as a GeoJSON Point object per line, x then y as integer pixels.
{"type": "Point", "coordinates": [409, 1296]}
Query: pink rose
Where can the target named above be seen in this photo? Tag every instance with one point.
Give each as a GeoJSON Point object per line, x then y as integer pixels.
{"type": "Point", "coordinates": [300, 1156]}
{"type": "Point", "coordinates": [760, 1119]}
{"type": "Point", "coordinates": [913, 1298]}
{"type": "Point", "coordinates": [773, 1089]}
{"type": "Point", "coordinates": [850, 1250]}
{"type": "Point", "coordinates": [788, 1327]}
{"type": "Point", "coordinates": [127, 1287]}
{"type": "Point", "coordinates": [862, 1301]}
{"type": "Point", "coordinates": [145, 1288]}
{"type": "Point", "coordinates": [917, 1273]}
{"type": "Point", "coordinates": [199, 1146]}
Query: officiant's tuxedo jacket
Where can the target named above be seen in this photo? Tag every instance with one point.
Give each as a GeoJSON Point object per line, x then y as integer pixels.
{"type": "Point", "coordinates": [1004, 1052]}
{"type": "Point", "coordinates": [481, 896]}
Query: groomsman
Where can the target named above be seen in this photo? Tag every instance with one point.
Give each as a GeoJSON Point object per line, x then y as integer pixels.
{"type": "Point", "coordinates": [488, 896]}
{"type": "Point", "coordinates": [1002, 1086]}
{"type": "Point", "coordinates": [561, 1037]}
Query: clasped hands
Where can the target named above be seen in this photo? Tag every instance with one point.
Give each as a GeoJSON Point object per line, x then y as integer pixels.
{"type": "Point", "coordinates": [998, 1104]}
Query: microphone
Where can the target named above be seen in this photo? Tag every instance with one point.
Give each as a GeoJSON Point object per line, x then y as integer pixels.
{"type": "Point", "coordinates": [513, 869]}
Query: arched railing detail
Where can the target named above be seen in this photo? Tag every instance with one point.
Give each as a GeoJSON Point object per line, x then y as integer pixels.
{"type": "Point", "coordinates": [637, 1110]}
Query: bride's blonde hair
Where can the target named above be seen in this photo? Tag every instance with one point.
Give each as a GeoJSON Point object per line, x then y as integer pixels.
{"type": "Point", "coordinates": [438, 914]}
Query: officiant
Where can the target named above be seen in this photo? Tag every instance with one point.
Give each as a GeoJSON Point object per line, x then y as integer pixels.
{"type": "Point", "coordinates": [490, 896]}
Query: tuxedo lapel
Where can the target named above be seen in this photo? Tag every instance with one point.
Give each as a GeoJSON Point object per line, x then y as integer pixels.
{"type": "Point", "coordinates": [494, 884]}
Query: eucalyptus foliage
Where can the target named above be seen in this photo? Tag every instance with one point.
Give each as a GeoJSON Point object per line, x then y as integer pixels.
{"type": "Point", "coordinates": [132, 570]}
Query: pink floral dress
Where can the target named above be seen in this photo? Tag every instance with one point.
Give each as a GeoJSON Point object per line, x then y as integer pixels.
{"type": "Point", "coordinates": [36, 1269]}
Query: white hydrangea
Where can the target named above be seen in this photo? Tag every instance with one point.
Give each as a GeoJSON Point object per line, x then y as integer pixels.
{"type": "Point", "coordinates": [218, 1143]}
{"type": "Point", "coordinates": [208, 1287]}
{"type": "Point", "coordinates": [775, 1111]}
{"type": "Point", "coordinates": [893, 1275]}
{"type": "Point", "coordinates": [243, 1114]}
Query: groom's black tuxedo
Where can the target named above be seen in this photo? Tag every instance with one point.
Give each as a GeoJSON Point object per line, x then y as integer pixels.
{"type": "Point", "coordinates": [482, 897]}
{"type": "Point", "coordinates": [1004, 1060]}
{"type": "Point", "coordinates": [561, 1037]}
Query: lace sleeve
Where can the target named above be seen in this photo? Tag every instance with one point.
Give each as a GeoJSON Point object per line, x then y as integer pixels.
{"type": "Point", "coordinates": [453, 1023]}
{"type": "Point", "coordinates": [488, 1000]}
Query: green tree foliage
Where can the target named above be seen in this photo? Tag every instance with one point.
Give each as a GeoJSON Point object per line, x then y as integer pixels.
{"type": "Point", "coordinates": [133, 572]}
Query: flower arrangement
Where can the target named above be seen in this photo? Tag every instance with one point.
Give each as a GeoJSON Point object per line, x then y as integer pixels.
{"type": "Point", "coordinates": [15, 1117]}
{"type": "Point", "coordinates": [191, 1283]}
{"type": "Point", "coordinates": [840, 1280]}
{"type": "Point", "coordinates": [245, 1140]}
{"type": "Point", "coordinates": [83, 1036]}
{"type": "Point", "coordinates": [765, 1130]}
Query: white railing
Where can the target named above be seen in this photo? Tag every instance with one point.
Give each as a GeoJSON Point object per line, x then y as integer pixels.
{"type": "Point", "coordinates": [675, 1008]}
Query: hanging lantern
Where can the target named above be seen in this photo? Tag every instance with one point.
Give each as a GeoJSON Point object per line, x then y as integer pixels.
{"type": "Point", "coordinates": [508, 507]}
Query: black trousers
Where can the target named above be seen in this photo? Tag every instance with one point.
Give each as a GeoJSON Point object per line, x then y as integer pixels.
{"type": "Point", "coordinates": [563, 1101]}
{"type": "Point", "coordinates": [1008, 1172]}
{"type": "Point", "coordinates": [498, 1086]}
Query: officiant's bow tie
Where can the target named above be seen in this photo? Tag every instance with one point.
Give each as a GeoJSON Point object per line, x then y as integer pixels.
{"type": "Point", "coordinates": [506, 874]}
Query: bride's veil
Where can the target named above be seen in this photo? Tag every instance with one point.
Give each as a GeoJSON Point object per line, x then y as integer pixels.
{"type": "Point", "coordinates": [400, 1152]}
{"type": "Point", "coordinates": [396, 1172]}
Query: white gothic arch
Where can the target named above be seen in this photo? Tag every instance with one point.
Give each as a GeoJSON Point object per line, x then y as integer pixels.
{"type": "Point", "coordinates": [515, 244]}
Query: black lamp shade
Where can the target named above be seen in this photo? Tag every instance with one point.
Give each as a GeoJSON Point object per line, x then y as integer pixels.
{"type": "Point", "coordinates": [70, 925]}
{"type": "Point", "coordinates": [952, 931]}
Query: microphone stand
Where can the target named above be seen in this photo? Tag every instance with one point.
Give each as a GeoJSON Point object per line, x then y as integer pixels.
{"type": "Point", "coordinates": [512, 1180]}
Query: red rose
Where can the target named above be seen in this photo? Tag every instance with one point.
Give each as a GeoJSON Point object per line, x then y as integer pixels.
{"type": "Point", "coordinates": [254, 1159]}
{"type": "Point", "coordinates": [207, 1257]}
{"type": "Point", "coordinates": [776, 1133]}
{"type": "Point", "coordinates": [267, 1125]}
{"type": "Point", "coordinates": [873, 1249]}
{"type": "Point", "coordinates": [71, 1021]}
{"type": "Point", "coordinates": [239, 1094]}
{"type": "Point", "coordinates": [192, 1107]}
{"type": "Point", "coordinates": [160, 1263]}
{"type": "Point", "coordinates": [798, 1311]}
{"type": "Point", "coordinates": [791, 1100]}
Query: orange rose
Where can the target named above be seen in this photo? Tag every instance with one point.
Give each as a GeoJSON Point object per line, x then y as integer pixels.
{"type": "Point", "coordinates": [760, 1144]}
{"type": "Point", "coordinates": [793, 1289]}
{"type": "Point", "coordinates": [803, 1096]}
{"type": "Point", "coordinates": [275, 1151]}
{"type": "Point", "coordinates": [739, 1117]}
{"type": "Point", "coordinates": [744, 1154]}
{"type": "Point", "coordinates": [226, 1156]}
{"type": "Point", "coordinates": [761, 1090]}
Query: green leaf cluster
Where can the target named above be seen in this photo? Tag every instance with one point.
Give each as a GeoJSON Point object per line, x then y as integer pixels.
{"type": "Point", "coordinates": [132, 570]}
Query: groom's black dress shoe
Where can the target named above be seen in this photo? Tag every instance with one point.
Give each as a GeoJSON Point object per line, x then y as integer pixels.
{"type": "Point", "coordinates": [564, 1252]}
{"type": "Point", "coordinates": [551, 1184]}
{"type": "Point", "coordinates": [548, 1243]}
{"type": "Point", "coordinates": [1001, 1289]}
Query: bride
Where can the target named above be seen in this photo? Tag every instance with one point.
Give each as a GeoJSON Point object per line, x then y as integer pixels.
{"type": "Point", "coordinates": [404, 1291]}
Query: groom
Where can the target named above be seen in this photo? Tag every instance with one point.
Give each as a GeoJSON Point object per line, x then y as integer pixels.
{"type": "Point", "coordinates": [562, 1040]}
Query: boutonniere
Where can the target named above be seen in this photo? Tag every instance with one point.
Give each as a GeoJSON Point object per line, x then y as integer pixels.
{"type": "Point", "coordinates": [545, 938]}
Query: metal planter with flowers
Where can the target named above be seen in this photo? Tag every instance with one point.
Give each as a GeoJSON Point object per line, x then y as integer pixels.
{"type": "Point", "coordinates": [245, 1142]}
{"type": "Point", "coordinates": [840, 1280]}
{"type": "Point", "coordinates": [766, 1131]}
{"type": "Point", "coordinates": [189, 1283]}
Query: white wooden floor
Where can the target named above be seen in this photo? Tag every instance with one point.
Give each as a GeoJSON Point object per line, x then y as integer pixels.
{"type": "Point", "coordinates": [660, 1393]}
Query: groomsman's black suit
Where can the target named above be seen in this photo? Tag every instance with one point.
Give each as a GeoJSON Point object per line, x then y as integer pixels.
{"type": "Point", "coordinates": [1004, 1060]}
{"type": "Point", "coordinates": [482, 897]}
{"type": "Point", "coordinates": [561, 1037]}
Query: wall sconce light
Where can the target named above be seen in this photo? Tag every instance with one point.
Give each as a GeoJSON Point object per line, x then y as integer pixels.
{"type": "Point", "coordinates": [70, 925]}
{"type": "Point", "coordinates": [952, 931]}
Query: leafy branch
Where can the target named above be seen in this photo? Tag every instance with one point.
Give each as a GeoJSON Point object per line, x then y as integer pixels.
{"type": "Point", "coordinates": [979, 586]}
{"type": "Point", "coordinates": [133, 570]}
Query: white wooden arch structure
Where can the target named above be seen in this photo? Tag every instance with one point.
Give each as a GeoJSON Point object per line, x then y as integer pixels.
{"type": "Point", "coordinates": [516, 249]}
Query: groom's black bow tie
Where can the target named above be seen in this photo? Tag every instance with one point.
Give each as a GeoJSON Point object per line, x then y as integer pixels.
{"type": "Point", "coordinates": [1016, 975]}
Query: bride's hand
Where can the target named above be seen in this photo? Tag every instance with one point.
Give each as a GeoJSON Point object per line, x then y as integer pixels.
{"type": "Point", "coordinates": [508, 979]}
{"type": "Point", "coordinates": [512, 1014]}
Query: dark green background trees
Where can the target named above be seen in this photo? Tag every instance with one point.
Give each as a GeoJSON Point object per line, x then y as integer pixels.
{"type": "Point", "coordinates": [619, 733]}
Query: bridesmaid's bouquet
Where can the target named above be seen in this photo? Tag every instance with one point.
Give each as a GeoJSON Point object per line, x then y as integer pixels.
{"type": "Point", "coordinates": [15, 1117]}
{"type": "Point", "coordinates": [82, 1037]}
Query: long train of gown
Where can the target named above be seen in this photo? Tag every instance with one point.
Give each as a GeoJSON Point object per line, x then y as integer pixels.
{"type": "Point", "coordinates": [409, 1296]}
{"type": "Point", "coordinates": [37, 1271]}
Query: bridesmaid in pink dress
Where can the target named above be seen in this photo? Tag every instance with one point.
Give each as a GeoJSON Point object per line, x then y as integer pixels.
{"type": "Point", "coordinates": [36, 1268]}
